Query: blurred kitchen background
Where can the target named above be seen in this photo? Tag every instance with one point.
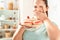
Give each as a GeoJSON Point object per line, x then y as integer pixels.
{"type": "Point", "coordinates": [9, 18]}
{"type": "Point", "coordinates": [13, 12]}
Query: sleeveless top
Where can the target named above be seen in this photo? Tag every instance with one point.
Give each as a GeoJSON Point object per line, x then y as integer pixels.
{"type": "Point", "coordinates": [36, 34]}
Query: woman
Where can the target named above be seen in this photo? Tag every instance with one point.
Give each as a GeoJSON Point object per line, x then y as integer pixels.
{"type": "Point", "coordinates": [47, 29]}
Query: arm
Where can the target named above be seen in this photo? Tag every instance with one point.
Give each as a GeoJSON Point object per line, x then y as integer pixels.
{"type": "Point", "coordinates": [18, 36]}
{"type": "Point", "coordinates": [52, 30]}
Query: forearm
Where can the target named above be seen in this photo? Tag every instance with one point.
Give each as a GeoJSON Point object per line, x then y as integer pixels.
{"type": "Point", "coordinates": [50, 25]}
{"type": "Point", "coordinates": [18, 36]}
{"type": "Point", "coordinates": [52, 30]}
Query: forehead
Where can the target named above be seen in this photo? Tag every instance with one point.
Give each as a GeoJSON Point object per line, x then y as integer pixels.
{"type": "Point", "coordinates": [42, 3]}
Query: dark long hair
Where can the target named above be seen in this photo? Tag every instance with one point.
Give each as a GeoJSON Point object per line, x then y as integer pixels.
{"type": "Point", "coordinates": [46, 6]}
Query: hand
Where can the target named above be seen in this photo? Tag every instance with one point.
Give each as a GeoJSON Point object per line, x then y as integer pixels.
{"type": "Point", "coordinates": [41, 16]}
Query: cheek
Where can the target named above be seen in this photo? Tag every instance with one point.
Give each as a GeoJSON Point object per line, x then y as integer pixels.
{"type": "Point", "coordinates": [45, 9]}
{"type": "Point", "coordinates": [37, 14]}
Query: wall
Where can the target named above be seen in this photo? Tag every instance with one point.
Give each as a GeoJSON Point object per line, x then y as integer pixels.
{"type": "Point", "coordinates": [27, 9]}
{"type": "Point", "coordinates": [54, 13]}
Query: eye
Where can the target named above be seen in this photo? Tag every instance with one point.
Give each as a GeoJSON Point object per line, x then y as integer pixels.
{"type": "Point", "coordinates": [35, 6]}
{"type": "Point", "coordinates": [41, 6]}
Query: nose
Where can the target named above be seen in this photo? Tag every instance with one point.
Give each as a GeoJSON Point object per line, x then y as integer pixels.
{"type": "Point", "coordinates": [36, 10]}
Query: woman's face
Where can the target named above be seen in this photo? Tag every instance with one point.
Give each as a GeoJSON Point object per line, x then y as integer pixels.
{"type": "Point", "coordinates": [40, 7]}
